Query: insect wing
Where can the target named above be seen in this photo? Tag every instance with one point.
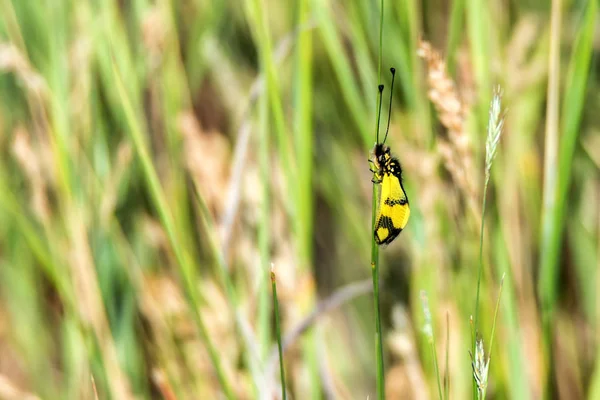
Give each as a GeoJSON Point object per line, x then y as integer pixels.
{"type": "Point", "coordinates": [394, 210]}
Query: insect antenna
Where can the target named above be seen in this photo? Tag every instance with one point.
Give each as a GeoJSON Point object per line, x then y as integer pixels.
{"type": "Point", "coordinates": [393, 71]}
{"type": "Point", "coordinates": [379, 112]}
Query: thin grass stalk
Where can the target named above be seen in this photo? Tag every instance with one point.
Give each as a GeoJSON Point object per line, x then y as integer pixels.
{"type": "Point", "coordinates": [496, 314]}
{"type": "Point", "coordinates": [447, 377]}
{"type": "Point", "coordinates": [302, 89]}
{"type": "Point", "coordinates": [374, 248]}
{"type": "Point", "coordinates": [558, 165]}
{"type": "Point", "coordinates": [269, 66]}
{"type": "Point", "coordinates": [343, 71]}
{"type": "Point", "coordinates": [494, 122]}
{"type": "Point", "coordinates": [455, 31]}
{"type": "Point", "coordinates": [437, 369]}
{"type": "Point", "coordinates": [378, 340]}
{"type": "Point", "coordinates": [257, 18]}
{"type": "Point", "coordinates": [278, 333]}
{"type": "Point", "coordinates": [480, 269]}
{"type": "Point", "coordinates": [549, 250]}
{"type": "Point", "coordinates": [243, 329]}
{"type": "Point", "coordinates": [495, 126]}
{"type": "Point", "coordinates": [303, 132]}
{"type": "Point", "coordinates": [429, 333]}
{"type": "Point", "coordinates": [173, 102]}
{"type": "Point", "coordinates": [362, 53]}
{"type": "Point", "coordinates": [513, 349]}
{"type": "Point", "coordinates": [419, 96]}
{"type": "Point", "coordinates": [479, 25]}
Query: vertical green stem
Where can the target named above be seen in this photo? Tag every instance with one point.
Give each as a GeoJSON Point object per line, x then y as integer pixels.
{"type": "Point", "coordinates": [278, 333]}
{"type": "Point", "coordinates": [480, 270]}
{"type": "Point", "coordinates": [375, 249]}
{"type": "Point", "coordinates": [549, 247]}
{"type": "Point", "coordinates": [455, 32]}
{"type": "Point", "coordinates": [302, 119]}
{"type": "Point", "coordinates": [379, 61]}
{"type": "Point", "coordinates": [447, 373]}
{"type": "Point", "coordinates": [430, 334]}
{"type": "Point", "coordinates": [378, 338]}
{"type": "Point", "coordinates": [479, 273]}
{"type": "Point", "coordinates": [437, 369]}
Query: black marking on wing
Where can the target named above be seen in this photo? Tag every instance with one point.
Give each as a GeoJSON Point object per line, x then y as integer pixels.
{"type": "Point", "coordinates": [393, 167]}
{"type": "Point", "coordinates": [393, 202]}
{"type": "Point", "coordinates": [393, 232]}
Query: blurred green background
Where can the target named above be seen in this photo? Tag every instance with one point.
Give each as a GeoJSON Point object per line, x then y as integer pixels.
{"type": "Point", "coordinates": [159, 156]}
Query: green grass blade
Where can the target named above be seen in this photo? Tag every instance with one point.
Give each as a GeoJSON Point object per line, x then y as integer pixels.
{"type": "Point", "coordinates": [455, 32]}
{"type": "Point", "coordinates": [342, 67]}
{"type": "Point", "coordinates": [559, 159]}
{"type": "Point", "coordinates": [278, 333]}
{"type": "Point", "coordinates": [430, 336]}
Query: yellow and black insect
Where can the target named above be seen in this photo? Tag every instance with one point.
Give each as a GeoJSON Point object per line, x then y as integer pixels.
{"type": "Point", "coordinates": [394, 209]}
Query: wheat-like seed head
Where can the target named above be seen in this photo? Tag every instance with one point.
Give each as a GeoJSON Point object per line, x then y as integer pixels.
{"type": "Point", "coordinates": [456, 150]}
{"type": "Point", "coordinates": [480, 366]}
{"type": "Point", "coordinates": [495, 125]}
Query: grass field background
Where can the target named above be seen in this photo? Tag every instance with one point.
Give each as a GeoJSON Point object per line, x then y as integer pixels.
{"type": "Point", "coordinates": [160, 157]}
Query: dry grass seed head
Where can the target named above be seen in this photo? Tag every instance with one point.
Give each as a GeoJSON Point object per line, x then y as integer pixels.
{"type": "Point", "coordinates": [456, 151]}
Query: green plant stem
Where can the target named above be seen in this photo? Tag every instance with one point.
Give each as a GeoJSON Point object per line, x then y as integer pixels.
{"type": "Point", "coordinates": [375, 249]}
{"type": "Point", "coordinates": [479, 273]}
{"type": "Point", "coordinates": [437, 367]}
{"type": "Point", "coordinates": [480, 269]}
{"type": "Point", "coordinates": [375, 276]}
{"type": "Point", "coordinates": [378, 337]}
{"type": "Point", "coordinates": [558, 163]}
{"type": "Point", "coordinates": [548, 250]}
{"type": "Point", "coordinates": [455, 32]}
{"type": "Point", "coordinates": [278, 334]}
{"type": "Point", "coordinates": [496, 315]}
{"type": "Point", "coordinates": [447, 375]}
{"type": "Point", "coordinates": [430, 334]}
